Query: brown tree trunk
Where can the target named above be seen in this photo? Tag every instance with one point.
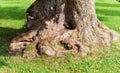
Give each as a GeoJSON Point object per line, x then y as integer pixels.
{"type": "Point", "coordinates": [58, 26]}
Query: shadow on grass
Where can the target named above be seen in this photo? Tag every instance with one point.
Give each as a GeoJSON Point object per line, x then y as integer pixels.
{"type": "Point", "coordinates": [3, 47]}
{"type": "Point", "coordinates": [107, 5]}
{"type": "Point", "coordinates": [6, 34]}
{"type": "Point", "coordinates": [108, 12]}
{"type": "Point", "coordinates": [102, 18]}
{"type": "Point", "coordinates": [3, 63]}
{"type": "Point", "coordinates": [12, 13]}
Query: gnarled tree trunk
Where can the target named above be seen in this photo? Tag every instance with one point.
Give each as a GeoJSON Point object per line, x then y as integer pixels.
{"type": "Point", "coordinates": [58, 26]}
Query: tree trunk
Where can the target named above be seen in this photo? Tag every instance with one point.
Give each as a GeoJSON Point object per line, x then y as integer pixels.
{"type": "Point", "coordinates": [55, 27]}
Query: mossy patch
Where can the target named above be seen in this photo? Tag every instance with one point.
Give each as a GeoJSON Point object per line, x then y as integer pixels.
{"type": "Point", "coordinates": [30, 47]}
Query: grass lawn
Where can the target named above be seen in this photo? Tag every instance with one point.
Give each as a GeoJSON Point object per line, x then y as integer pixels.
{"type": "Point", "coordinates": [12, 20]}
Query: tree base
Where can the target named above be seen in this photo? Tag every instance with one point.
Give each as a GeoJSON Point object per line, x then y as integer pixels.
{"type": "Point", "coordinates": [58, 46]}
{"type": "Point", "coordinates": [65, 42]}
{"type": "Point", "coordinates": [56, 27]}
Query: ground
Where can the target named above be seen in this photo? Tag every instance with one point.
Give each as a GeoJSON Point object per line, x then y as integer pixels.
{"type": "Point", "coordinates": [12, 20]}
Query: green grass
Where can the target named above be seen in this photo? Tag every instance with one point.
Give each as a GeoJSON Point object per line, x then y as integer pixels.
{"type": "Point", "coordinates": [12, 20]}
{"type": "Point", "coordinates": [108, 12]}
{"type": "Point", "coordinates": [30, 47]}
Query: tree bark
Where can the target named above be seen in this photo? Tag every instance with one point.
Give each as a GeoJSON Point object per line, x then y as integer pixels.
{"type": "Point", "coordinates": [55, 27]}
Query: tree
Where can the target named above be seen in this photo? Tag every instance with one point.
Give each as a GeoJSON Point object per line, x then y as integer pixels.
{"type": "Point", "coordinates": [55, 27]}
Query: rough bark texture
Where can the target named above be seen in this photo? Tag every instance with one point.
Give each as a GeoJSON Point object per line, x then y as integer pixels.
{"type": "Point", "coordinates": [55, 27]}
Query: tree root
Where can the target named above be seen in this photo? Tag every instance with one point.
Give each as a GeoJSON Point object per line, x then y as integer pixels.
{"type": "Point", "coordinates": [72, 24]}
{"type": "Point", "coordinates": [67, 43]}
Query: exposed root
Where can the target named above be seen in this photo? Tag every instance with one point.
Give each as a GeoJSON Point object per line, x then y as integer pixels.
{"type": "Point", "coordinates": [68, 45]}
{"type": "Point", "coordinates": [71, 23]}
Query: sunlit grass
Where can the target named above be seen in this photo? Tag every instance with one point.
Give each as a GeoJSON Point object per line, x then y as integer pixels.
{"type": "Point", "coordinates": [108, 12]}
